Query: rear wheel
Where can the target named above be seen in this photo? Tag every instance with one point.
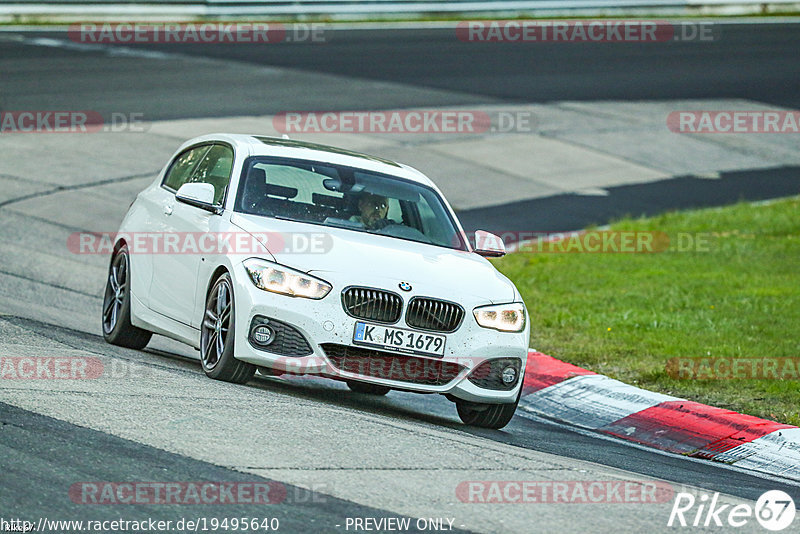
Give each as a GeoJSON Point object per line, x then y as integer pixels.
{"type": "Point", "coordinates": [217, 336]}
{"type": "Point", "coordinates": [117, 327]}
{"type": "Point", "coordinates": [369, 389]}
{"type": "Point", "coordinates": [487, 415]}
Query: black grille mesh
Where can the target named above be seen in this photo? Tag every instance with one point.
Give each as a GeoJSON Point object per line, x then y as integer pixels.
{"type": "Point", "coordinates": [389, 366]}
{"type": "Point", "coordinates": [372, 304]}
{"type": "Point", "coordinates": [433, 314]}
{"type": "Point", "coordinates": [288, 341]}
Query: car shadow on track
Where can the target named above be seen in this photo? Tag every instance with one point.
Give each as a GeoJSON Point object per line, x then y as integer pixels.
{"type": "Point", "coordinates": [396, 404]}
{"type": "Point", "coordinates": [432, 409]}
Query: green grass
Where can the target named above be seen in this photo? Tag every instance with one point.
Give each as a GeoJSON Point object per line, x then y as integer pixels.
{"type": "Point", "coordinates": [626, 315]}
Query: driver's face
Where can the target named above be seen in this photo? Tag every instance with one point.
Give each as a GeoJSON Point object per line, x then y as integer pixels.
{"type": "Point", "coordinates": [373, 208]}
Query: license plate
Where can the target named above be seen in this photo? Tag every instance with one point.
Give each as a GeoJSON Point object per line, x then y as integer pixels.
{"type": "Point", "coordinates": [399, 339]}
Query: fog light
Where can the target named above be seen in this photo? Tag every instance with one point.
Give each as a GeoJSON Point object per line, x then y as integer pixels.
{"type": "Point", "coordinates": [263, 335]}
{"type": "Point", "coordinates": [499, 374]}
{"type": "Point", "coordinates": [509, 375]}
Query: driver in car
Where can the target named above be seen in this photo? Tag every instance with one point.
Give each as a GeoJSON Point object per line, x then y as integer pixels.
{"type": "Point", "coordinates": [372, 211]}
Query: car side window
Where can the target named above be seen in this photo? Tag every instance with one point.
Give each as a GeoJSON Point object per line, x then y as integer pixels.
{"type": "Point", "coordinates": [183, 166]}
{"type": "Point", "coordinates": [215, 169]}
{"type": "Point", "coordinates": [395, 212]}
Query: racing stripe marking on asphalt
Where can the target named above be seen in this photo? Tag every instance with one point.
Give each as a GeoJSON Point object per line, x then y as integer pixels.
{"type": "Point", "coordinates": [542, 371]}
{"type": "Point", "coordinates": [777, 452]}
{"type": "Point", "coordinates": [686, 427]}
{"type": "Point", "coordinates": [578, 397]}
{"type": "Point", "coordinates": [592, 401]}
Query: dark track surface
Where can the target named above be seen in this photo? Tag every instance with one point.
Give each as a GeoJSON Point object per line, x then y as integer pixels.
{"type": "Point", "coordinates": [44, 458]}
{"type": "Point", "coordinates": [752, 61]}
{"type": "Point", "coordinates": [757, 62]}
{"type": "Point", "coordinates": [745, 61]}
{"type": "Point", "coordinates": [570, 212]}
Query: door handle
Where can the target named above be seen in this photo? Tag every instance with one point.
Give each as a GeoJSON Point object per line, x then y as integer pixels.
{"type": "Point", "coordinates": [168, 209]}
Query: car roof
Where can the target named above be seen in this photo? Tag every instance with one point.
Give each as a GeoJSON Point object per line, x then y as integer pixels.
{"type": "Point", "coordinates": [261, 145]}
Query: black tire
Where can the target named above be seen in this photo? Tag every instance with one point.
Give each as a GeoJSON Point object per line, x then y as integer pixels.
{"type": "Point", "coordinates": [368, 389]}
{"type": "Point", "coordinates": [116, 312]}
{"type": "Point", "coordinates": [217, 336]}
{"type": "Point", "coordinates": [494, 416]}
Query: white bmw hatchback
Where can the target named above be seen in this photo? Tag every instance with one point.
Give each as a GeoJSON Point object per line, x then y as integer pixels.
{"type": "Point", "coordinates": [294, 258]}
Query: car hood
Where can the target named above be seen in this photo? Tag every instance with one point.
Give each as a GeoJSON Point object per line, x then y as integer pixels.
{"type": "Point", "coordinates": [357, 258]}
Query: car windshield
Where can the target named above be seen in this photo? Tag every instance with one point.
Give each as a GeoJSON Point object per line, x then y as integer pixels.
{"type": "Point", "coordinates": [346, 197]}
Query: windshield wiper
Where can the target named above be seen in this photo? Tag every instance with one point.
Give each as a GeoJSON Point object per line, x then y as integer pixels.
{"type": "Point", "coordinates": [285, 218]}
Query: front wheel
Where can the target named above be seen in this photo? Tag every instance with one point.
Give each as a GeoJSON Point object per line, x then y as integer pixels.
{"type": "Point", "coordinates": [117, 327]}
{"type": "Point", "coordinates": [494, 416]}
{"type": "Point", "coordinates": [217, 336]}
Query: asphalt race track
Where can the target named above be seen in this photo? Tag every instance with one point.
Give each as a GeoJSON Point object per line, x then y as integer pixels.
{"type": "Point", "coordinates": [753, 61]}
{"type": "Point", "coordinates": [337, 454]}
{"type": "Point", "coordinates": [405, 68]}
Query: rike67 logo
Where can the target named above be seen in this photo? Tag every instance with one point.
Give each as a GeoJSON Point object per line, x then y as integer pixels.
{"type": "Point", "coordinates": [774, 510]}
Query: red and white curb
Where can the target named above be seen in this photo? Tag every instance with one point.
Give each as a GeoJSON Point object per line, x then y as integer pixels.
{"type": "Point", "coordinates": [566, 393]}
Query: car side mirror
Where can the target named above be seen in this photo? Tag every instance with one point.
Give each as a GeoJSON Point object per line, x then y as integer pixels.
{"type": "Point", "coordinates": [489, 245]}
{"type": "Point", "coordinates": [199, 195]}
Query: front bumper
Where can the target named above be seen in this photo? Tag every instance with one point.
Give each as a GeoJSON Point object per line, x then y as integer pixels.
{"type": "Point", "coordinates": [324, 323]}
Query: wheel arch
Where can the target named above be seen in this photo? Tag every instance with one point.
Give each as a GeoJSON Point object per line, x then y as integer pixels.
{"type": "Point", "coordinates": [121, 242]}
{"type": "Point", "coordinates": [219, 271]}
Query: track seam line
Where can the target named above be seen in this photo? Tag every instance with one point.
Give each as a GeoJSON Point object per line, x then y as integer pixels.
{"type": "Point", "coordinates": [55, 286]}
{"type": "Point", "coordinates": [86, 185]}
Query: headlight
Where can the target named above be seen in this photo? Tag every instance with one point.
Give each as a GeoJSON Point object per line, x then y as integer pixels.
{"type": "Point", "coordinates": [504, 317]}
{"type": "Point", "coordinates": [279, 279]}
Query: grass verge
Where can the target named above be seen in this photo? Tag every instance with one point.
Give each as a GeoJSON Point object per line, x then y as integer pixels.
{"type": "Point", "coordinates": [735, 295]}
